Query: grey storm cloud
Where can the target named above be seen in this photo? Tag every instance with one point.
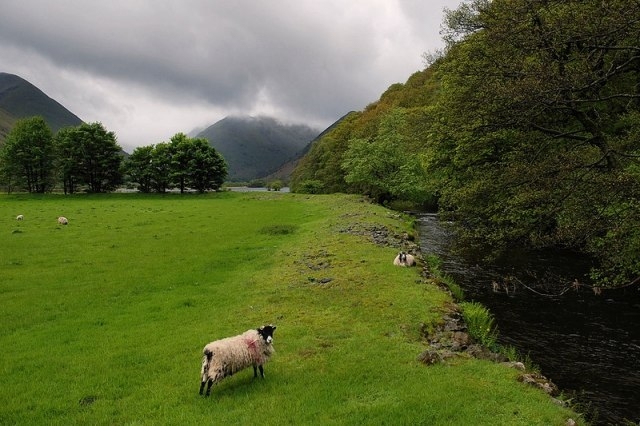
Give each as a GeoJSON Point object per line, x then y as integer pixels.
{"type": "Point", "coordinates": [303, 61]}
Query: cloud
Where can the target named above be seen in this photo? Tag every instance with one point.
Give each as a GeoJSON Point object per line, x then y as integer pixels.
{"type": "Point", "coordinates": [149, 69]}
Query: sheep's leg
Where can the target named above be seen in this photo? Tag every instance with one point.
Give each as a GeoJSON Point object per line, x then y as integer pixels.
{"type": "Point", "coordinates": [202, 386]}
{"type": "Point", "coordinates": [255, 371]}
{"type": "Point", "coordinates": [261, 371]}
{"type": "Point", "coordinates": [208, 387]}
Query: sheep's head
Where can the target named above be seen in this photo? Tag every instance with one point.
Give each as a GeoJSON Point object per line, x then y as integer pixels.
{"type": "Point", "coordinates": [266, 332]}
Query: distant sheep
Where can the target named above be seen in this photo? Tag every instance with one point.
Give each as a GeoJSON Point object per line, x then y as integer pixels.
{"type": "Point", "coordinates": [404, 259]}
{"type": "Point", "coordinates": [225, 357]}
{"type": "Point", "coordinates": [20, 217]}
{"type": "Point", "coordinates": [63, 220]}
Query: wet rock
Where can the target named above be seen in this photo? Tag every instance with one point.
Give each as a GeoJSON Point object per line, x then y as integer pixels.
{"type": "Point", "coordinates": [539, 381]}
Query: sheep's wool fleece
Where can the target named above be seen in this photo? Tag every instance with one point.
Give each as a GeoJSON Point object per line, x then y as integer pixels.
{"type": "Point", "coordinates": [233, 354]}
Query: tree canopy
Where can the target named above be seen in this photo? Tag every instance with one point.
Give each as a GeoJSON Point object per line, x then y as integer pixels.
{"type": "Point", "coordinates": [183, 163]}
{"type": "Point", "coordinates": [526, 129]}
{"type": "Point", "coordinates": [89, 155]}
{"type": "Point", "coordinates": [27, 157]}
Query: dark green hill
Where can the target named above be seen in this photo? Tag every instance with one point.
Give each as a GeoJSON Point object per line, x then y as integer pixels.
{"type": "Point", "coordinates": [255, 147]}
{"type": "Point", "coordinates": [21, 99]}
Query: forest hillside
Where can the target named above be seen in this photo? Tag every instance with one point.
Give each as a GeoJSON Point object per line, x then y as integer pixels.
{"type": "Point", "coordinates": [524, 131]}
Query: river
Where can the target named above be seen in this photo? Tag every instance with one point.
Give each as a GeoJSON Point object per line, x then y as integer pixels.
{"type": "Point", "coordinates": [587, 344]}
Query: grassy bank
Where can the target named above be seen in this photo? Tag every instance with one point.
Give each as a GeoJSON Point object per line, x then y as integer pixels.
{"type": "Point", "coordinates": [104, 320]}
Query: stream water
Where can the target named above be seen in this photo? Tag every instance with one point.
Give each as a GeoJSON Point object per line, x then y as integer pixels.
{"type": "Point", "coordinates": [587, 344]}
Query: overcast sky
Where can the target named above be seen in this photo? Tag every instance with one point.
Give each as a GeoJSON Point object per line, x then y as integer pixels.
{"type": "Point", "coordinates": [148, 69]}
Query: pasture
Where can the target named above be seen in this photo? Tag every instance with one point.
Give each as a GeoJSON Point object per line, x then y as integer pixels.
{"type": "Point", "coordinates": [104, 319]}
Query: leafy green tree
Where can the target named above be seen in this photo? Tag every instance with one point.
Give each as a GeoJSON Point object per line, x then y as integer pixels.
{"type": "Point", "coordinates": [140, 168]}
{"type": "Point", "coordinates": [206, 167]}
{"type": "Point", "coordinates": [68, 153]}
{"type": "Point", "coordinates": [387, 168]}
{"type": "Point", "coordinates": [161, 167]}
{"type": "Point", "coordinates": [27, 156]}
{"type": "Point", "coordinates": [95, 157]}
{"type": "Point", "coordinates": [102, 158]}
{"type": "Point", "coordinates": [183, 162]}
{"type": "Point", "coordinates": [536, 129]}
{"type": "Point", "coordinates": [181, 154]}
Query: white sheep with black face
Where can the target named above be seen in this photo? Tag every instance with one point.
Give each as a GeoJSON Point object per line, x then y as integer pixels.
{"type": "Point", "coordinates": [20, 217]}
{"type": "Point", "coordinates": [227, 356]}
{"type": "Point", "coordinates": [404, 259]}
{"type": "Point", "coordinates": [63, 220]}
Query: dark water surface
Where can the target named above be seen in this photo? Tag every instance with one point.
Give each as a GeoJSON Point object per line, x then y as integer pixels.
{"type": "Point", "coordinates": [587, 344]}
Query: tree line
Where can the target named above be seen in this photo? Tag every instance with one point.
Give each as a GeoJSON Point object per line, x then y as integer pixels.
{"type": "Point", "coordinates": [524, 130]}
{"type": "Point", "coordinates": [87, 157]}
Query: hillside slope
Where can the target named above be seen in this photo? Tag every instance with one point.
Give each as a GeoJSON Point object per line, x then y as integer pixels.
{"type": "Point", "coordinates": [254, 147]}
{"type": "Point", "coordinates": [20, 99]}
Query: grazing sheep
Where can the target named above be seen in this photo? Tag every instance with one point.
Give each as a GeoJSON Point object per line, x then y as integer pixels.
{"type": "Point", "coordinates": [20, 217]}
{"type": "Point", "coordinates": [63, 220]}
{"type": "Point", "coordinates": [404, 259]}
{"type": "Point", "coordinates": [225, 357]}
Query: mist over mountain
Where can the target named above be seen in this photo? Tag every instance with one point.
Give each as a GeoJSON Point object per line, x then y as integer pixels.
{"type": "Point", "coordinates": [21, 99]}
{"type": "Point", "coordinates": [255, 147]}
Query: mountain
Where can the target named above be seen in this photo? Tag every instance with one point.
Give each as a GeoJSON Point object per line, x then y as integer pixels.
{"type": "Point", "coordinates": [254, 147]}
{"type": "Point", "coordinates": [21, 99]}
{"type": "Point", "coordinates": [284, 172]}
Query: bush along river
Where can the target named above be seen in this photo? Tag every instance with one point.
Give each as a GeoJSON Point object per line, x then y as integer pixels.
{"type": "Point", "coordinates": [588, 344]}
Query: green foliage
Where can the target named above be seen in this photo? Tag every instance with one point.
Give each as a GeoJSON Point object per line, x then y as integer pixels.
{"type": "Point", "coordinates": [525, 131]}
{"type": "Point", "coordinates": [140, 168]}
{"type": "Point", "coordinates": [480, 324]}
{"type": "Point", "coordinates": [536, 136]}
{"type": "Point", "coordinates": [386, 167]}
{"type": "Point", "coordinates": [310, 186]}
{"type": "Point", "coordinates": [89, 155]}
{"type": "Point", "coordinates": [27, 156]}
{"type": "Point", "coordinates": [275, 185]}
{"type": "Point", "coordinates": [113, 320]}
{"type": "Point", "coordinates": [182, 163]}
{"type": "Point", "coordinates": [434, 267]}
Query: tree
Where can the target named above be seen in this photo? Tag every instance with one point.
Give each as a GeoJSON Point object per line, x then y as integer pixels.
{"type": "Point", "coordinates": [206, 167]}
{"type": "Point", "coordinates": [181, 153]}
{"type": "Point", "coordinates": [387, 167]}
{"type": "Point", "coordinates": [89, 155]}
{"type": "Point", "coordinates": [140, 168]}
{"type": "Point", "coordinates": [183, 162]}
{"type": "Point", "coordinates": [161, 167]}
{"type": "Point", "coordinates": [27, 156]}
{"type": "Point", "coordinates": [68, 159]}
{"type": "Point", "coordinates": [101, 157]}
{"type": "Point", "coordinates": [537, 126]}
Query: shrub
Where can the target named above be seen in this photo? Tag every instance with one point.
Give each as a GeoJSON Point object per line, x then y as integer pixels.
{"type": "Point", "coordinates": [480, 324]}
{"type": "Point", "coordinates": [311, 187]}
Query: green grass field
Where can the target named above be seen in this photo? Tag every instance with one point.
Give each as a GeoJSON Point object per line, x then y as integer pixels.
{"type": "Point", "coordinates": [104, 320]}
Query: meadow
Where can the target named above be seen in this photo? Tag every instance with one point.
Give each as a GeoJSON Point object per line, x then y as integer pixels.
{"type": "Point", "coordinates": [104, 320]}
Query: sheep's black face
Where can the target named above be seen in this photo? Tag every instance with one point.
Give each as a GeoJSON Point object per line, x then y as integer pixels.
{"type": "Point", "coordinates": [266, 332]}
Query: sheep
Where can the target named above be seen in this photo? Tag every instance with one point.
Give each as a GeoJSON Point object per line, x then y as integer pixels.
{"type": "Point", "coordinates": [222, 358]}
{"type": "Point", "coordinates": [63, 220]}
{"type": "Point", "coordinates": [404, 259]}
{"type": "Point", "coordinates": [20, 217]}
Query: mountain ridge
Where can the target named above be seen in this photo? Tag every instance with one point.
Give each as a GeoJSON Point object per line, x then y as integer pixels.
{"type": "Point", "coordinates": [20, 99]}
{"type": "Point", "coordinates": [257, 146]}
